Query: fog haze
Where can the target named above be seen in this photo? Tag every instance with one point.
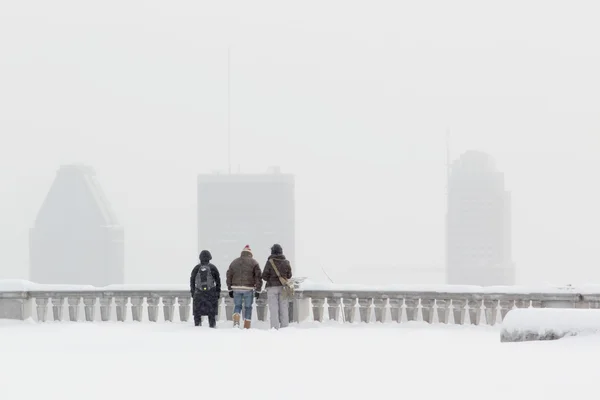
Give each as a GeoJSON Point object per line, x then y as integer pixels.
{"type": "Point", "coordinates": [354, 98]}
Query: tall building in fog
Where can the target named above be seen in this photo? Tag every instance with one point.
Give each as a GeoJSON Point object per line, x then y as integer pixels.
{"type": "Point", "coordinates": [239, 209]}
{"type": "Point", "coordinates": [76, 238]}
{"type": "Point", "coordinates": [478, 236]}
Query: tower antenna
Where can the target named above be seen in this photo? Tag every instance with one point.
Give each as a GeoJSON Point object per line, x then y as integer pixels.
{"type": "Point", "coordinates": [447, 200]}
{"type": "Point", "coordinates": [229, 108]}
{"type": "Point", "coordinates": [447, 159]}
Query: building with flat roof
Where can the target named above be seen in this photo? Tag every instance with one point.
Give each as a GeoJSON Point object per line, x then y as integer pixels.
{"type": "Point", "coordinates": [239, 209]}
{"type": "Point", "coordinates": [478, 236]}
{"type": "Point", "coordinates": [76, 238]}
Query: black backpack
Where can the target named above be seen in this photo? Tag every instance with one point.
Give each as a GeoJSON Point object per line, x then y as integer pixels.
{"type": "Point", "coordinates": [204, 279]}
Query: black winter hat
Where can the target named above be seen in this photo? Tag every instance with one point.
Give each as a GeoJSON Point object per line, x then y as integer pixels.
{"type": "Point", "coordinates": [205, 256]}
{"type": "Point", "coordinates": [276, 250]}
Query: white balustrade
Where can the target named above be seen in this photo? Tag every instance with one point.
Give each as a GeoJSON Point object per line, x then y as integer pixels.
{"type": "Point", "coordinates": [349, 306]}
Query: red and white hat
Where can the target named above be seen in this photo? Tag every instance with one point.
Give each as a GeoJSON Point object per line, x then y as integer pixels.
{"type": "Point", "coordinates": [247, 248]}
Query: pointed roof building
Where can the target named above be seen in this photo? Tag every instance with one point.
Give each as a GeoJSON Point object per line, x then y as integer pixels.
{"type": "Point", "coordinates": [76, 238]}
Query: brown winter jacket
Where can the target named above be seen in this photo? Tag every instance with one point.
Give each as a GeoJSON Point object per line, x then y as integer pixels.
{"type": "Point", "coordinates": [283, 266]}
{"type": "Point", "coordinates": [244, 274]}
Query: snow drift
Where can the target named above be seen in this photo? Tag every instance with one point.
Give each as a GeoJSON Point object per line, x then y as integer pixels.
{"type": "Point", "coordinates": [529, 324]}
{"type": "Point", "coordinates": [20, 285]}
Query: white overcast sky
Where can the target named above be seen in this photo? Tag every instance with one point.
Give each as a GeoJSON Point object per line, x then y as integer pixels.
{"type": "Point", "coordinates": [353, 97]}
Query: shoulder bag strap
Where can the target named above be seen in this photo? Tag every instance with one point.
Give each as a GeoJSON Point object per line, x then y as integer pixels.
{"type": "Point", "coordinates": [282, 280]}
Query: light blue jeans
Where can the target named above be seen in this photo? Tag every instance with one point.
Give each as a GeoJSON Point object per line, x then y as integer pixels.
{"type": "Point", "coordinates": [247, 296]}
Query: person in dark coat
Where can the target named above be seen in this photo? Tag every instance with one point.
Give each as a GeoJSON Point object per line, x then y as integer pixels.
{"type": "Point", "coordinates": [244, 284]}
{"type": "Point", "coordinates": [205, 291]}
{"type": "Point", "coordinates": [278, 304]}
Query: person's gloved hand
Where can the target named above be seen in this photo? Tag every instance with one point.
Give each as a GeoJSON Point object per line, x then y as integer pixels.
{"type": "Point", "coordinates": [231, 294]}
{"type": "Point", "coordinates": [256, 295]}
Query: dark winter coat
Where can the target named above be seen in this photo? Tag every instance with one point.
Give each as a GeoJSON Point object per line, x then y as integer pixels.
{"type": "Point", "coordinates": [244, 273]}
{"type": "Point", "coordinates": [206, 302]}
{"type": "Point", "coordinates": [283, 266]}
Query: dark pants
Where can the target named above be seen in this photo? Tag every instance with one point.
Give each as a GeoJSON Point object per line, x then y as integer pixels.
{"type": "Point", "coordinates": [212, 320]}
{"type": "Point", "coordinates": [206, 303]}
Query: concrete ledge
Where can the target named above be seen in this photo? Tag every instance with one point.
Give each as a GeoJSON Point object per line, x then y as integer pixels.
{"type": "Point", "coordinates": [15, 307]}
{"type": "Point", "coordinates": [531, 324]}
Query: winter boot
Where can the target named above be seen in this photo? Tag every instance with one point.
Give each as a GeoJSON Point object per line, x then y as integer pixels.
{"type": "Point", "coordinates": [246, 324]}
{"type": "Point", "coordinates": [236, 319]}
{"type": "Point", "coordinates": [212, 321]}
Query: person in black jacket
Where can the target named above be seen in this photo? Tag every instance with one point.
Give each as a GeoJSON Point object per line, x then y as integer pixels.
{"type": "Point", "coordinates": [205, 287]}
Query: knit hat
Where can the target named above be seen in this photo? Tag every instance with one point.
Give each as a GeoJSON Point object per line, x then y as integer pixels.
{"type": "Point", "coordinates": [247, 248]}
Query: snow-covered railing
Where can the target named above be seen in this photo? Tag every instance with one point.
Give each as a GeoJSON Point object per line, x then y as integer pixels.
{"type": "Point", "coordinates": [439, 303]}
{"type": "Point", "coordinates": [314, 301]}
{"type": "Point", "coordinates": [154, 303]}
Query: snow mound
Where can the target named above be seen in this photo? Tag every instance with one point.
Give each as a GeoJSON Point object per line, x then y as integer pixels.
{"type": "Point", "coordinates": [15, 285]}
{"type": "Point", "coordinates": [146, 287]}
{"type": "Point", "coordinates": [309, 285]}
{"type": "Point", "coordinates": [21, 285]}
{"type": "Point", "coordinates": [529, 324]}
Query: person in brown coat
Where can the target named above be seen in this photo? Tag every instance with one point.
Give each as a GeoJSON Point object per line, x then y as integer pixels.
{"type": "Point", "coordinates": [244, 283]}
{"type": "Point", "coordinates": [278, 304]}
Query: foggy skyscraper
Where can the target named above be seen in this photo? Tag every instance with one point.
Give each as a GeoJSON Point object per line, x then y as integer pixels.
{"type": "Point", "coordinates": [239, 209]}
{"type": "Point", "coordinates": [76, 238]}
{"type": "Point", "coordinates": [478, 235]}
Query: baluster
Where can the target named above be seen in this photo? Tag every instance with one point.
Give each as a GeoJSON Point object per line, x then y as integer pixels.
{"type": "Point", "coordinates": [229, 308]}
{"type": "Point", "coordinates": [575, 304]}
{"type": "Point", "coordinates": [459, 311]}
{"type": "Point", "coordinates": [121, 306]}
{"type": "Point", "coordinates": [379, 304]}
{"type": "Point", "coordinates": [396, 309]}
{"type": "Point", "coordinates": [427, 310]}
{"type": "Point", "coordinates": [184, 308]}
{"type": "Point", "coordinates": [491, 311]}
{"type": "Point", "coordinates": [74, 302]}
{"type": "Point", "coordinates": [333, 303]}
{"type": "Point", "coordinates": [293, 310]}
{"type": "Point", "coordinates": [412, 309]}
{"type": "Point", "coordinates": [261, 308]}
{"type": "Point", "coordinates": [218, 316]}
{"type": "Point", "coordinates": [349, 309]}
{"type": "Point", "coordinates": [318, 306]}
{"type": "Point", "coordinates": [105, 308]}
{"type": "Point", "coordinates": [536, 303]}
{"type": "Point", "coordinates": [57, 308]}
{"type": "Point", "coordinates": [443, 310]}
{"type": "Point", "coordinates": [475, 311]}
{"type": "Point", "coordinates": [168, 307]}
{"type": "Point", "coordinates": [42, 308]}
{"type": "Point", "coordinates": [505, 307]}
{"type": "Point", "coordinates": [153, 308]}
{"type": "Point", "coordinates": [89, 308]}
{"type": "Point", "coordinates": [522, 303]}
{"type": "Point", "coordinates": [364, 305]}
{"type": "Point", "coordinates": [137, 303]}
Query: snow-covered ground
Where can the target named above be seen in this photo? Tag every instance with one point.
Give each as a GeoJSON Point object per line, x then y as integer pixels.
{"type": "Point", "coordinates": [308, 361]}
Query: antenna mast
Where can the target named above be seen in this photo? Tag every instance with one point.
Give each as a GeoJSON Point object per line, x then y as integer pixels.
{"type": "Point", "coordinates": [447, 159]}
{"type": "Point", "coordinates": [229, 108]}
{"type": "Point", "coordinates": [447, 199]}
